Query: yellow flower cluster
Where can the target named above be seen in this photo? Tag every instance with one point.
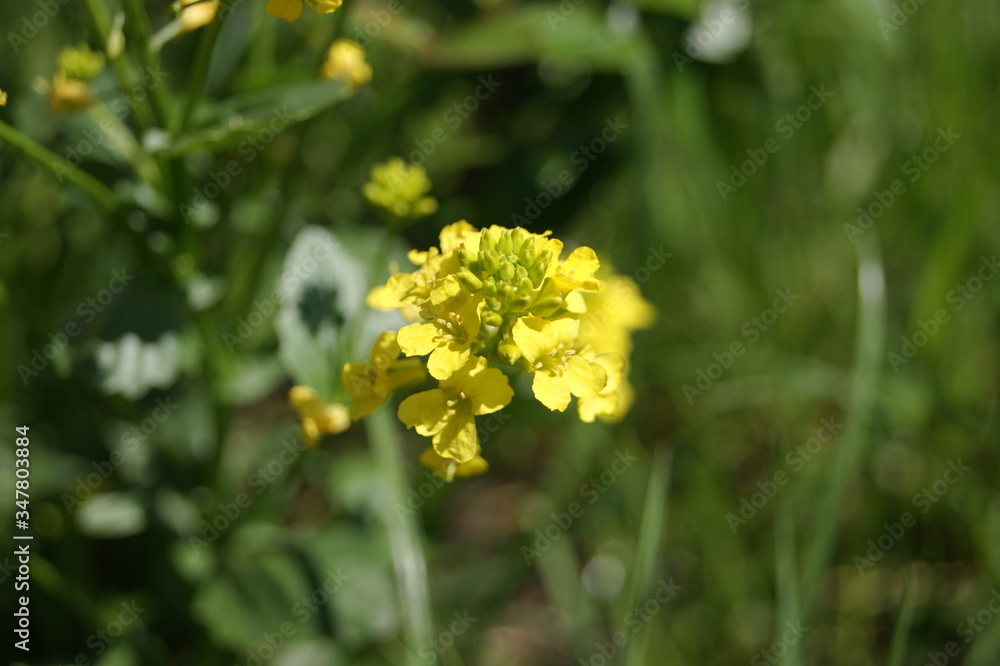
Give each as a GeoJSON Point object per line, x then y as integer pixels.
{"type": "Point", "coordinates": [3, 98]}
{"type": "Point", "coordinates": [345, 61]}
{"type": "Point", "coordinates": [400, 189]}
{"type": "Point", "coordinates": [499, 297]}
{"type": "Point", "coordinates": [68, 90]}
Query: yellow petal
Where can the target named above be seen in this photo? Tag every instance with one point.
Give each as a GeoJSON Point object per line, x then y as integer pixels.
{"type": "Point", "coordinates": [425, 412]}
{"type": "Point", "coordinates": [447, 468]}
{"type": "Point", "coordinates": [385, 350]}
{"type": "Point", "coordinates": [486, 388]}
{"type": "Point", "coordinates": [310, 433]}
{"type": "Point", "coordinates": [395, 293]}
{"type": "Point", "coordinates": [417, 339]}
{"type": "Point", "coordinates": [325, 6]}
{"type": "Point", "coordinates": [454, 235]}
{"type": "Point", "coordinates": [551, 391]}
{"type": "Point", "coordinates": [458, 440]}
{"type": "Point", "coordinates": [532, 336]}
{"type": "Point", "coordinates": [445, 360]}
{"type": "Point", "coordinates": [585, 378]}
{"type": "Point", "coordinates": [285, 9]}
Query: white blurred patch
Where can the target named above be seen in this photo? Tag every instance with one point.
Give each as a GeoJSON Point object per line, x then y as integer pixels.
{"type": "Point", "coordinates": [603, 576]}
{"type": "Point", "coordinates": [722, 31]}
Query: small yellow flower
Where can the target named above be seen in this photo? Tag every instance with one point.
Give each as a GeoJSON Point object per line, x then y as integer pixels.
{"type": "Point", "coordinates": [576, 272]}
{"type": "Point", "coordinates": [291, 9]}
{"type": "Point", "coordinates": [80, 62]}
{"type": "Point", "coordinates": [197, 14]}
{"type": "Point", "coordinates": [610, 317]}
{"type": "Point", "coordinates": [615, 399]}
{"type": "Point", "coordinates": [67, 95]}
{"type": "Point", "coordinates": [549, 348]}
{"type": "Point", "coordinates": [400, 189]}
{"type": "Point", "coordinates": [447, 414]}
{"type": "Point", "coordinates": [318, 418]}
{"type": "Point", "coordinates": [451, 328]}
{"type": "Point", "coordinates": [370, 383]}
{"type": "Point", "coordinates": [345, 61]}
{"type": "Point", "coordinates": [3, 98]}
{"type": "Point", "coordinates": [448, 469]}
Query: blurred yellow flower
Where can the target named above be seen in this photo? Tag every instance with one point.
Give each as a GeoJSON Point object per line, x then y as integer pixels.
{"type": "Point", "coordinates": [371, 382]}
{"type": "Point", "coordinates": [345, 61]}
{"type": "Point", "coordinates": [80, 62]}
{"type": "Point", "coordinates": [197, 14]}
{"type": "Point", "coordinates": [291, 9]}
{"type": "Point", "coordinates": [400, 189]}
{"type": "Point", "coordinates": [559, 370]}
{"type": "Point", "coordinates": [67, 95]}
{"type": "Point", "coordinates": [318, 418]}
{"type": "Point", "coordinates": [448, 469]}
{"type": "Point", "coordinates": [447, 414]}
{"type": "Point", "coordinates": [3, 98]}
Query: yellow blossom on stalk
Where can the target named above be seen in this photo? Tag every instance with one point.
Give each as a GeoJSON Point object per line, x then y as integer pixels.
{"type": "Point", "coordinates": [447, 414]}
{"type": "Point", "coordinates": [197, 14]}
{"type": "Point", "coordinates": [318, 418]}
{"type": "Point", "coordinates": [448, 469]}
{"type": "Point", "coordinates": [370, 383]}
{"type": "Point", "coordinates": [3, 98]}
{"type": "Point", "coordinates": [345, 61]}
{"type": "Point", "coordinates": [612, 315]}
{"type": "Point", "coordinates": [68, 94]}
{"type": "Point", "coordinates": [291, 9]}
{"type": "Point", "coordinates": [614, 400]}
{"type": "Point", "coordinates": [449, 332]}
{"type": "Point", "coordinates": [400, 189]}
{"type": "Point", "coordinates": [559, 370]}
{"type": "Point", "coordinates": [80, 62]}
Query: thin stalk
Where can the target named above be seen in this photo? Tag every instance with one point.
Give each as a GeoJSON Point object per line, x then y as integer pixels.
{"type": "Point", "coordinates": [59, 167]}
{"type": "Point", "coordinates": [408, 559]}
{"type": "Point", "coordinates": [142, 34]}
{"type": "Point", "coordinates": [199, 75]}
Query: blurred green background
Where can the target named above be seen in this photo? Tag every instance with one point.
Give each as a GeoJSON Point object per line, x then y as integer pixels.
{"type": "Point", "coordinates": [816, 479]}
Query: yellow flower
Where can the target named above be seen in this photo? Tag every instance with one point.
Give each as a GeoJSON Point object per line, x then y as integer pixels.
{"type": "Point", "coordinates": [447, 414]}
{"type": "Point", "coordinates": [345, 61]}
{"type": "Point", "coordinates": [291, 9]}
{"type": "Point", "coordinates": [614, 401]}
{"type": "Point", "coordinates": [68, 94]}
{"type": "Point", "coordinates": [448, 469]}
{"type": "Point", "coordinates": [318, 419]}
{"type": "Point", "coordinates": [400, 189]}
{"type": "Point", "coordinates": [3, 98]}
{"type": "Point", "coordinates": [576, 272]}
{"type": "Point", "coordinates": [549, 347]}
{"type": "Point", "coordinates": [448, 334]}
{"type": "Point", "coordinates": [197, 14]}
{"type": "Point", "coordinates": [370, 383]}
{"type": "Point", "coordinates": [610, 316]}
{"type": "Point", "coordinates": [79, 62]}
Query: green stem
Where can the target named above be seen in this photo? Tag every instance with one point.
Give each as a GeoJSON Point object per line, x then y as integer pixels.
{"type": "Point", "coordinates": [142, 35]}
{"type": "Point", "coordinates": [408, 559]}
{"type": "Point", "coordinates": [59, 167]}
{"type": "Point", "coordinates": [199, 75]}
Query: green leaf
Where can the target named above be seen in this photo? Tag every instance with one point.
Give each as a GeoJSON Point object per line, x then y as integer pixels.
{"type": "Point", "coordinates": [251, 121]}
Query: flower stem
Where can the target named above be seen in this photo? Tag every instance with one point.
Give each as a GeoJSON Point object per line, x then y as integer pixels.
{"type": "Point", "coordinates": [408, 559]}
{"type": "Point", "coordinates": [59, 167]}
{"type": "Point", "coordinates": [199, 75]}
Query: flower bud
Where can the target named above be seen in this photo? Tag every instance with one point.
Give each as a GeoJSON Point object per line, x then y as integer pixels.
{"type": "Point", "coordinates": [490, 287]}
{"type": "Point", "coordinates": [490, 261]}
{"type": "Point", "coordinates": [508, 351]}
{"type": "Point", "coordinates": [505, 245]}
{"type": "Point", "coordinates": [471, 282]}
{"type": "Point", "coordinates": [466, 258]}
{"type": "Point", "coordinates": [491, 318]}
{"type": "Point", "coordinates": [506, 270]}
{"type": "Point", "coordinates": [486, 241]}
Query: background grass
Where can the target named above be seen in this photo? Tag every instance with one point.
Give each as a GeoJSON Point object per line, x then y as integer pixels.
{"type": "Point", "coordinates": [564, 72]}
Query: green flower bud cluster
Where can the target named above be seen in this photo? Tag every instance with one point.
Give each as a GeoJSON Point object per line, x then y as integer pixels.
{"type": "Point", "coordinates": [510, 272]}
{"type": "Point", "coordinates": [80, 62]}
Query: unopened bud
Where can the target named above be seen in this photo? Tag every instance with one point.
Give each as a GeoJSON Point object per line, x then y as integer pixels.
{"type": "Point", "coordinates": [508, 351]}
{"type": "Point", "coordinates": [506, 271]}
{"type": "Point", "coordinates": [491, 318]}
{"type": "Point", "coordinates": [471, 282]}
{"type": "Point", "coordinates": [486, 241]}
